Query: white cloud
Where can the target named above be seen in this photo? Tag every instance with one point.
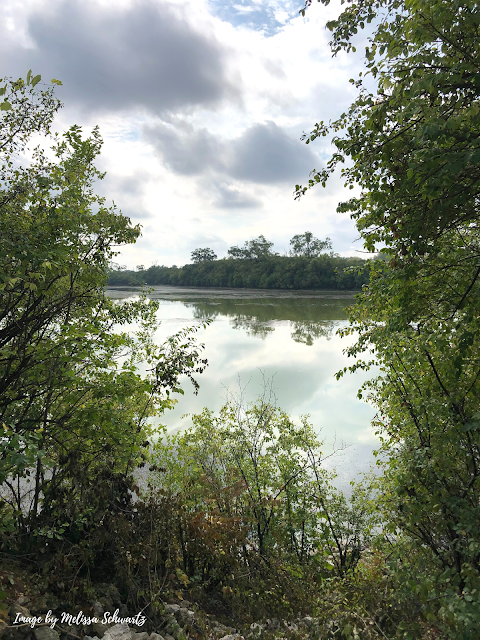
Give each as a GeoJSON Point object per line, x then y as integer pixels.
{"type": "Point", "coordinates": [244, 9]}
{"type": "Point", "coordinates": [224, 103]}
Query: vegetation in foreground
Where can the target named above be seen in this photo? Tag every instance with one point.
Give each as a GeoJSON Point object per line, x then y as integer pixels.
{"type": "Point", "coordinates": [242, 518]}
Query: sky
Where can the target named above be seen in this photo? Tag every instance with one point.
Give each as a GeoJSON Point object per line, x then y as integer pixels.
{"type": "Point", "coordinates": [201, 105]}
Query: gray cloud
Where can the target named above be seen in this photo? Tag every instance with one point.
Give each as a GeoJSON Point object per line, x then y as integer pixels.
{"type": "Point", "coordinates": [185, 151]}
{"type": "Point", "coordinates": [136, 213]}
{"type": "Point", "coordinates": [132, 185]}
{"type": "Point", "coordinates": [231, 197]}
{"type": "Point", "coordinates": [266, 154]}
{"type": "Point", "coordinates": [110, 59]}
{"type": "Point", "coordinates": [126, 192]}
{"type": "Point", "coordinates": [211, 240]}
{"type": "Point", "coordinates": [263, 154]}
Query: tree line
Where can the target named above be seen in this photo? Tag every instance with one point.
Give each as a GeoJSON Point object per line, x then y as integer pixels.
{"type": "Point", "coordinates": [271, 272]}
{"type": "Point", "coordinates": [302, 244]}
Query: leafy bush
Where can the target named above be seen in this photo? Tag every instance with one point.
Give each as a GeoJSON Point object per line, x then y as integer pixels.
{"type": "Point", "coordinates": [260, 518]}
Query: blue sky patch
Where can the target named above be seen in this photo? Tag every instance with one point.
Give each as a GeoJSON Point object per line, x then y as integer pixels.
{"type": "Point", "coordinates": [268, 16]}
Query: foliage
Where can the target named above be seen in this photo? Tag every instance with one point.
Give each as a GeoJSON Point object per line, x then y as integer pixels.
{"type": "Point", "coordinates": [427, 399]}
{"type": "Point", "coordinates": [305, 244]}
{"type": "Point", "coordinates": [256, 249]}
{"type": "Point", "coordinates": [203, 255]}
{"type": "Point", "coordinates": [72, 400]}
{"type": "Point", "coordinates": [277, 272]}
{"type": "Point", "coordinates": [258, 506]}
{"type": "Point", "coordinates": [26, 110]}
{"type": "Point", "coordinates": [412, 146]}
{"type": "Point", "coordinates": [239, 452]}
{"type": "Point", "coordinates": [414, 143]}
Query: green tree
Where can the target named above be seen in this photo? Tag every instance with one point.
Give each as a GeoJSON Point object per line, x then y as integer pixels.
{"type": "Point", "coordinates": [203, 255]}
{"type": "Point", "coordinates": [259, 248]}
{"type": "Point", "coordinates": [254, 463]}
{"type": "Point", "coordinates": [72, 399]}
{"type": "Point", "coordinates": [305, 244]}
{"type": "Point", "coordinates": [413, 147]}
{"type": "Point", "coordinates": [249, 462]}
{"type": "Point", "coordinates": [256, 249]}
{"type": "Point", "coordinates": [413, 143]}
{"type": "Point", "coordinates": [237, 253]}
{"type": "Point", "coordinates": [428, 410]}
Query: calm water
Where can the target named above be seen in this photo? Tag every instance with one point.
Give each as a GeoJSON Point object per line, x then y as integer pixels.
{"type": "Point", "coordinates": [287, 337]}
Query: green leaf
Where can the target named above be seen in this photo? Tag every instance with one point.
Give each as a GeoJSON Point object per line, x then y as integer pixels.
{"type": "Point", "coordinates": [5, 106]}
{"type": "Point", "coordinates": [473, 424]}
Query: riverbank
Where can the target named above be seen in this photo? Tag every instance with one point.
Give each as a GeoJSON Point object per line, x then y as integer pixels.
{"type": "Point", "coordinates": [31, 613]}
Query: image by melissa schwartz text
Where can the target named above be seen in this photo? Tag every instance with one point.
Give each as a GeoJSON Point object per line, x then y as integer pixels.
{"type": "Point", "coordinates": [79, 619]}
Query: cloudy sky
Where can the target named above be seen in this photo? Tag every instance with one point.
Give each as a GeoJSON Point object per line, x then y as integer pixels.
{"type": "Point", "coordinates": [201, 104]}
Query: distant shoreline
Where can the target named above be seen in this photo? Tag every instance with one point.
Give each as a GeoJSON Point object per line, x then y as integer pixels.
{"type": "Point", "coordinates": [325, 272]}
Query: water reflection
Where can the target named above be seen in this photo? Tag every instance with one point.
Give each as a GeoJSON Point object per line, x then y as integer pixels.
{"type": "Point", "coordinates": [309, 319]}
{"type": "Point", "coordinates": [287, 337]}
{"type": "Point", "coordinates": [309, 331]}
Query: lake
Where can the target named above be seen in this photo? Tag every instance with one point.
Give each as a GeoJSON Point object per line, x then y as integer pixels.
{"type": "Point", "coordinates": [284, 338]}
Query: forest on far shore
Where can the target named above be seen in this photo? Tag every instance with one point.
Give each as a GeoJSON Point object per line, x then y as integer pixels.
{"type": "Point", "coordinates": [275, 272]}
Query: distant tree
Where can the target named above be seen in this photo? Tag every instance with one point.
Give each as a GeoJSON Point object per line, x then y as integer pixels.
{"type": "Point", "coordinates": [260, 248]}
{"type": "Point", "coordinates": [305, 244]}
{"type": "Point", "coordinates": [255, 249]}
{"type": "Point", "coordinates": [237, 253]}
{"type": "Point", "coordinates": [203, 255]}
{"type": "Point", "coordinates": [115, 266]}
